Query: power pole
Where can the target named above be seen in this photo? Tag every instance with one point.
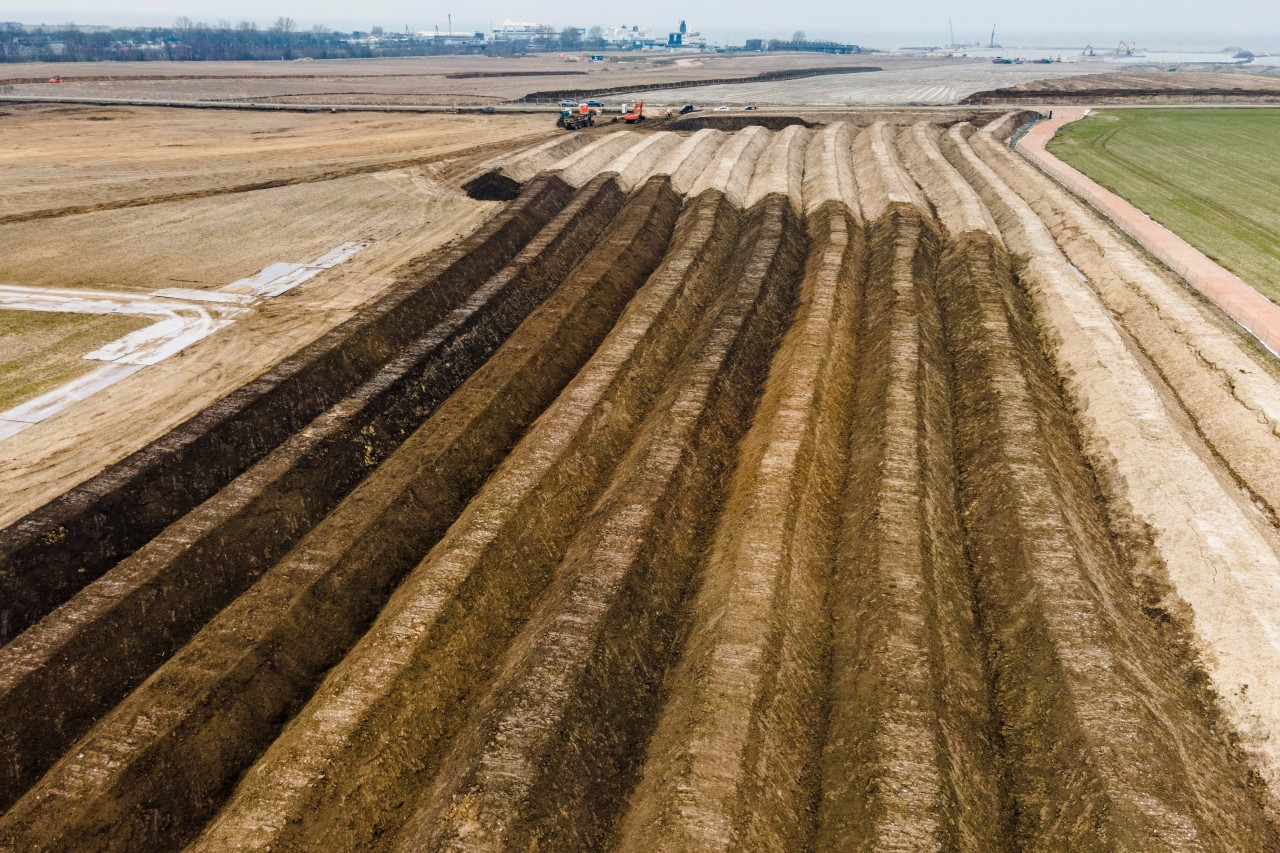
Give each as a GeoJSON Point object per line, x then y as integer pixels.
{"type": "Point", "coordinates": [953, 33]}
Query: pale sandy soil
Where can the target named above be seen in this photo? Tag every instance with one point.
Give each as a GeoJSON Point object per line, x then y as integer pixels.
{"type": "Point", "coordinates": [57, 157]}
{"type": "Point", "coordinates": [1122, 81]}
{"type": "Point", "coordinates": [407, 78]}
{"type": "Point", "coordinates": [208, 241]}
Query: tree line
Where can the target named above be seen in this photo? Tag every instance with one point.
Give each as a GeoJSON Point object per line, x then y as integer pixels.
{"type": "Point", "coordinates": [189, 40]}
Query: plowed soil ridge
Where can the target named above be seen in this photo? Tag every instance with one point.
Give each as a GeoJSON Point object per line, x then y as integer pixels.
{"type": "Point", "coordinates": [192, 569]}
{"type": "Point", "coordinates": [810, 489]}
{"type": "Point", "coordinates": [716, 775]}
{"type": "Point", "coordinates": [909, 766]}
{"type": "Point", "coordinates": [587, 667]}
{"type": "Point", "coordinates": [49, 554]}
{"type": "Point", "coordinates": [308, 608]}
{"type": "Point", "coordinates": [1123, 753]}
{"type": "Point", "coordinates": [556, 472]}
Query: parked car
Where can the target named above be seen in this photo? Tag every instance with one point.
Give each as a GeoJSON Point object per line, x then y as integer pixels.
{"type": "Point", "coordinates": [721, 110]}
{"type": "Point", "coordinates": [595, 103]}
{"type": "Point", "coordinates": [687, 108]}
{"type": "Point", "coordinates": [568, 103]}
{"type": "Point", "coordinates": [749, 107]}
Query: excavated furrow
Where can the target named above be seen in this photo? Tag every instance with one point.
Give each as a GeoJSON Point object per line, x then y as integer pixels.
{"type": "Point", "coordinates": [211, 710]}
{"type": "Point", "coordinates": [1107, 746]}
{"type": "Point", "coordinates": [757, 491]}
{"type": "Point", "coordinates": [731, 762]}
{"type": "Point", "coordinates": [86, 655]}
{"type": "Point", "coordinates": [551, 749]}
{"type": "Point", "coordinates": [1234, 402]}
{"type": "Point", "coordinates": [348, 770]}
{"type": "Point", "coordinates": [54, 551]}
{"type": "Point", "coordinates": [910, 759]}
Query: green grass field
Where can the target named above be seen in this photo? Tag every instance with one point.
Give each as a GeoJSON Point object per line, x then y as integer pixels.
{"type": "Point", "coordinates": [1212, 176]}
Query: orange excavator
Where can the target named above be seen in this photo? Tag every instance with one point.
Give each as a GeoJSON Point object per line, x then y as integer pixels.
{"type": "Point", "coordinates": [636, 114]}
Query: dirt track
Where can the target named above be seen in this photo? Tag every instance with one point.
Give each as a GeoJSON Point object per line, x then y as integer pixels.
{"type": "Point", "coordinates": [825, 488]}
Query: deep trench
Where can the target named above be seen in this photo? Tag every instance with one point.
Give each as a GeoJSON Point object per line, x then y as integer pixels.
{"type": "Point", "coordinates": [458, 575]}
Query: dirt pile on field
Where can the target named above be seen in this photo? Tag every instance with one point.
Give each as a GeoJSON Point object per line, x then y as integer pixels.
{"type": "Point", "coordinates": [822, 489]}
{"type": "Point", "coordinates": [1119, 88]}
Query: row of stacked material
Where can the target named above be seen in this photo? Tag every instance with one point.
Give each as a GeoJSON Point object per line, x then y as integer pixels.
{"type": "Point", "coordinates": [837, 488]}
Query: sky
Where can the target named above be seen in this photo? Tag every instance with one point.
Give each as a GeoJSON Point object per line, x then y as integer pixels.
{"type": "Point", "coordinates": [1254, 24]}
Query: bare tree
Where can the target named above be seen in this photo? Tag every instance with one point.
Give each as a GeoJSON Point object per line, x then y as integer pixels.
{"type": "Point", "coordinates": [285, 26]}
{"type": "Point", "coordinates": [247, 27]}
{"type": "Point", "coordinates": [570, 38]}
{"type": "Point", "coordinates": [798, 35]}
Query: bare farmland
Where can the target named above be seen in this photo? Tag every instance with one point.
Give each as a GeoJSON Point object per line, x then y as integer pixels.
{"type": "Point", "coordinates": [935, 84]}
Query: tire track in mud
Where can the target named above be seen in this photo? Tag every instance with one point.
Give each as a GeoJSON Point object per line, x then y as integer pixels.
{"type": "Point", "coordinates": [144, 609]}
{"type": "Point", "coordinates": [222, 696]}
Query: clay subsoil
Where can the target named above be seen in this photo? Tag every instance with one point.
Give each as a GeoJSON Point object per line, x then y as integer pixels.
{"type": "Point", "coordinates": [826, 487]}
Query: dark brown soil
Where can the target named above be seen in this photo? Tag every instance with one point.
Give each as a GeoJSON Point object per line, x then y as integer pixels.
{"type": "Point", "coordinates": [54, 551]}
{"type": "Point", "coordinates": [731, 123]}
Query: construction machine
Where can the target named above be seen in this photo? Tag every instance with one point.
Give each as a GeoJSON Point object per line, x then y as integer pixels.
{"type": "Point", "coordinates": [636, 114]}
{"type": "Point", "coordinates": [577, 118]}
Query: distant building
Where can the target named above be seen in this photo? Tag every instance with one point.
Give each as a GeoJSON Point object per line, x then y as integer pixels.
{"type": "Point", "coordinates": [634, 37]}
{"type": "Point", "coordinates": [453, 39]}
{"type": "Point", "coordinates": [686, 39]}
{"type": "Point", "coordinates": [523, 32]}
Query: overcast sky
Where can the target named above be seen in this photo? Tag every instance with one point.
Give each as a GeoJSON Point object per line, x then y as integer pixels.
{"type": "Point", "coordinates": [1154, 23]}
